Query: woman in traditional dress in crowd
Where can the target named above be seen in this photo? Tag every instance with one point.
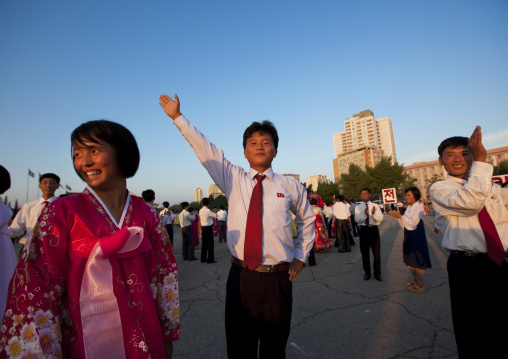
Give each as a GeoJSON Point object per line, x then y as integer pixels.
{"type": "Point", "coordinates": [8, 258]}
{"type": "Point", "coordinates": [322, 241]}
{"type": "Point", "coordinates": [215, 224]}
{"type": "Point", "coordinates": [415, 248]}
{"type": "Point", "coordinates": [98, 278]}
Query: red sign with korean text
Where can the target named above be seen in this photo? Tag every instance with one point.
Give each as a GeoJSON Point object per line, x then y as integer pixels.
{"type": "Point", "coordinates": [389, 196]}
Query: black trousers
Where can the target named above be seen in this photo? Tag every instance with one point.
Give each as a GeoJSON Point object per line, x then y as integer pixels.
{"type": "Point", "coordinates": [478, 295]}
{"type": "Point", "coordinates": [222, 231]}
{"type": "Point", "coordinates": [187, 243]}
{"type": "Point", "coordinates": [343, 239]}
{"type": "Point", "coordinates": [207, 248]}
{"type": "Point", "coordinates": [169, 229]}
{"type": "Point", "coordinates": [258, 313]}
{"type": "Point", "coordinates": [370, 241]}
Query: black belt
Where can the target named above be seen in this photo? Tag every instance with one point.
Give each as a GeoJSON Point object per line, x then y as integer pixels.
{"type": "Point", "coordinates": [368, 225]}
{"type": "Point", "coordinates": [467, 254]}
{"type": "Point", "coordinates": [281, 267]}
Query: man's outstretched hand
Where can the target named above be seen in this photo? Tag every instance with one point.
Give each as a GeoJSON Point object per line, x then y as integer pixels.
{"type": "Point", "coordinates": [172, 108]}
{"type": "Point", "coordinates": [476, 146]}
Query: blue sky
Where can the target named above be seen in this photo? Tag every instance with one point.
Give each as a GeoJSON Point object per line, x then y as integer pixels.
{"type": "Point", "coordinates": [436, 68]}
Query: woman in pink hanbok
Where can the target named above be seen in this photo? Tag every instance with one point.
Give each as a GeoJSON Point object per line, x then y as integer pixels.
{"type": "Point", "coordinates": [322, 241]}
{"type": "Point", "coordinates": [98, 277]}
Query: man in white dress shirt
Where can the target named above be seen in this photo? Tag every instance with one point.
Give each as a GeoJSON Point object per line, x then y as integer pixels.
{"type": "Point", "coordinates": [368, 215]}
{"type": "Point", "coordinates": [185, 219]}
{"type": "Point", "coordinates": [167, 219]}
{"type": "Point", "coordinates": [206, 217]}
{"type": "Point", "coordinates": [466, 201]}
{"type": "Point", "coordinates": [258, 299]}
{"type": "Point", "coordinates": [27, 217]}
{"type": "Point", "coordinates": [222, 217]}
{"type": "Point", "coordinates": [341, 223]}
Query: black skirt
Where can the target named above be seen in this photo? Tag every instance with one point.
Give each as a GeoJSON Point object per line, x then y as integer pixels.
{"type": "Point", "coordinates": [415, 249]}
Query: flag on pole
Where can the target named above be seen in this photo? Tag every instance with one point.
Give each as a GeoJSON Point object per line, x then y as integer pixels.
{"type": "Point", "coordinates": [31, 174]}
{"type": "Point", "coordinates": [68, 187]}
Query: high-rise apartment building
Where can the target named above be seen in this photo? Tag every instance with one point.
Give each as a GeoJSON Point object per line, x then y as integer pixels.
{"type": "Point", "coordinates": [198, 195]}
{"type": "Point", "coordinates": [316, 180]}
{"type": "Point", "coordinates": [214, 191]}
{"type": "Point", "coordinates": [297, 177]}
{"type": "Point", "coordinates": [364, 142]}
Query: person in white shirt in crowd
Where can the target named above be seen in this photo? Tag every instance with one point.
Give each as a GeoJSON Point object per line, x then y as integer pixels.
{"type": "Point", "coordinates": [472, 214]}
{"type": "Point", "coordinates": [206, 217]}
{"type": "Point", "coordinates": [368, 215]}
{"type": "Point", "coordinates": [185, 219]}
{"type": "Point", "coordinates": [8, 257]}
{"type": "Point", "coordinates": [222, 216]}
{"type": "Point", "coordinates": [167, 219]}
{"type": "Point", "coordinates": [265, 259]}
{"type": "Point", "coordinates": [27, 217]}
{"type": "Point", "coordinates": [415, 249]}
{"type": "Point", "coordinates": [327, 211]}
{"type": "Point", "coordinates": [341, 223]}
{"type": "Point", "coordinates": [352, 206]}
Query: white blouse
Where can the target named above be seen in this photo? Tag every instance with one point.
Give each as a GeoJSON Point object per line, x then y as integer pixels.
{"type": "Point", "coordinates": [414, 213]}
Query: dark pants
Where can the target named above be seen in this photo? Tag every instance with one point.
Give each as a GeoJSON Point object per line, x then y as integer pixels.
{"type": "Point", "coordinates": [207, 246]}
{"type": "Point", "coordinates": [312, 258]}
{"type": "Point", "coordinates": [370, 241]}
{"type": "Point", "coordinates": [343, 239]}
{"type": "Point", "coordinates": [187, 243]}
{"type": "Point", "coordinates": [258, 312]}
{"type": "Point", "coordinates": [169, 229]}
{"type": "Point", "coordinates": [478, 295]}
{"type": "Point", "coordinates": [355, 226]}
{"type": "Point", "coordinates": [222, 231]}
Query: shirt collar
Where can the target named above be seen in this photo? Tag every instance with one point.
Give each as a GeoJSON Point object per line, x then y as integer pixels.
{"type": "Point", "coordinates": [42, 200]}
{"type": "Point", "coordinates": [268, 173]}
{"type": "Point", "coordinates": [455, 179]}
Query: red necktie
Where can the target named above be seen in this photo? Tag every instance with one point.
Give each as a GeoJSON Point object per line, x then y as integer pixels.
{"type": "Point", "coordinates": [44, 205]}
{"type": "Point", "coordinates": [494, 245]}
{"type": "Point", "coordinates": [254, 230]}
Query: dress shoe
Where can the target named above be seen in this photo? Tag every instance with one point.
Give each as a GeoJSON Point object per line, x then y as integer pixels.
{"type": "Point", "coordinates": [366, 276]}
{"type": "Point", "coordinates": [378, 277]}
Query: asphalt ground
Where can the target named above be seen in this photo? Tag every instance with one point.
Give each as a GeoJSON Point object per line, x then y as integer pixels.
{"type": "Point", "coordinates": [336, 314]}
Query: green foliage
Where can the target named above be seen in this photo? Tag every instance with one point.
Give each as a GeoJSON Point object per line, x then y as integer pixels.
{"type": "Point", "coordinates": [196, 206]}
{"type": "Point", "coordinates": [430, 181]}
{"type": "Point", "coordinates": [327, 190]}
{"type": "Point", "coordinates": [176, 208]}
{"type": "Point", "coordinates": [501, 168]}
{"type": "Point", "coordinates": [218, 201]}
{"type": "Point", "coordinates": [382, 175]}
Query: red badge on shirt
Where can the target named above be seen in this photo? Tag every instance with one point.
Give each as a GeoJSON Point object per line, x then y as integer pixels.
{"type": "Point", "coordinates": [280, 195]}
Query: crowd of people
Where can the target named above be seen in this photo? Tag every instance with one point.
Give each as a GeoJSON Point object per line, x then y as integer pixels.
{"type": "Point", "coordinates": [98, 275]}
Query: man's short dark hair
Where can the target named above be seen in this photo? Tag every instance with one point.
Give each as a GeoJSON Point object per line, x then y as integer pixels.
{"type": "Point", "coordinates": [205, 201]}
{"type": "Point", "coordinates": [221, 207]}
{"type": "Point", "coordinates": [452, 142]}
{"type": "Point", "coordinates": [148, 195]}
{"type": "Point", "coordinates": [184, 205]}
{"type": "Point", "coordinates": [5, 180]}
{"type": "Point", "coordinates": [165, 204]}
{"type": "Point", "coordinates": [263, 127]}
{"type": "Point", "coordinates": [114, 134]}
{"type": "Point", "coordinates": [366, 189]}
{"type": "Point", "coordinates": [339, 197]}
{"type": "Point", "coordinates": [415, 191]}
{"type": "Point", "coordinates": [49, 175]}
{"type": "Point", "coordinates": [313, 201]}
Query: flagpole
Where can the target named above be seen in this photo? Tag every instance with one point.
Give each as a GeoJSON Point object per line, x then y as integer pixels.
{"type": "Point", "coordinates": [27, 179]}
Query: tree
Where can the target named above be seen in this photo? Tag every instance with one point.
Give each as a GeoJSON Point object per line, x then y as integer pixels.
{"type": "Point", "coordinates": [351, 183]}
{"type": "Point", "coordinates": [327, 190]}
{"type": "Point", "coordinates": [195, 206]}
{"type": "Point", "coordinates": [501, 168]}
{"type": "Point", "coordinates": [218, 201]}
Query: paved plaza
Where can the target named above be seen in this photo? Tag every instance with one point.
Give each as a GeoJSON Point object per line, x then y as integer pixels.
{"type": "Point", "coordinates": [336, 314]}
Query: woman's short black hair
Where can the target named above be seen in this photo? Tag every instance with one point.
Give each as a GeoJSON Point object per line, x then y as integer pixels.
{"type": "Point", "coordinates": [453, 142]}
{"type": "Point", "coordinates": [262, 128]}
{"type": "Point", "coordinates": [114, 134]}
{"type": "Point", "coordinates": [313, 201]}
{"type": "Point", "coordinates": [5, 180]}
{"type": "Point", "coordinates": [415, 191]}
